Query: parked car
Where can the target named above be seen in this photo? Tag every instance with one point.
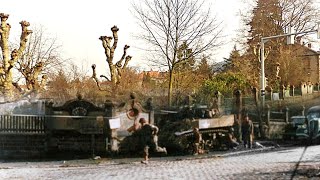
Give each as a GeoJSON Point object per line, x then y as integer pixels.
{"type": "Point", "coordinates": [313, 116]}
{"type": "Point", "coordinates": [305, 127]}
{"type": "Point", "coordinates": [297, 129]}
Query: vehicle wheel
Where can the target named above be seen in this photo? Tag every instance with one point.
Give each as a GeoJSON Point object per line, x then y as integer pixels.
{"type": "Point", "coordinates": [308, 142]}
{"type": "Point", "coordinates": [317, 141]}
{"type": "Point", "coordinates": [189, 149]}
{"type": "Point", "coordinates": [286, 137]}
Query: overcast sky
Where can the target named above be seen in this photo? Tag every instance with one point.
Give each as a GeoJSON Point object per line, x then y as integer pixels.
{"type": "Point", "coordinates": [78, 25]}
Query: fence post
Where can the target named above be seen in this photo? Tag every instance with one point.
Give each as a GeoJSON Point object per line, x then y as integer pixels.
{"type": "Point", "coordinates": [281, 94]}
{"type": "Point", "coordinates": [287, 115]}
{"type": "Point", "coordinates": [268, 114]}
{"type": "Point", "coordinates": [238, 114]}
{"type": "Point", "coordinates": [266, 127]}
{"type": "Point", "coordinates": [149, 107]}
{"type": "Point", "coordinates": [110, 112]}
{"type": "Point", "coordinates": [292, 90]}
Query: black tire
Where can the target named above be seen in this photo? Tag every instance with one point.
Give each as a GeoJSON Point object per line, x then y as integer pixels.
{"type": "Point", "coordinates": [308, 142]}
{"type": "Point", "coordinates": [286, 137]}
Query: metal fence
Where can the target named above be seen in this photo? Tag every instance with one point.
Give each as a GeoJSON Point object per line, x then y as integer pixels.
{"type": "Point", "coordinates": [22, 124]}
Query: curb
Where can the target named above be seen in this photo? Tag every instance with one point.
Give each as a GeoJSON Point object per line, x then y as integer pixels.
{"type": "Point", "coordinates": [226, 154]}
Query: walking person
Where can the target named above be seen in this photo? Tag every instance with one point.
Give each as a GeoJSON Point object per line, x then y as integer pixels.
{"type": "Point", "coordinates": [247, 131]}
{"type": "Point", "coordinates": [149, 139]}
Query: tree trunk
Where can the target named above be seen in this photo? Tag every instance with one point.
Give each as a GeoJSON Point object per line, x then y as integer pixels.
{"type": "Point", "coordinates": [8, 87]}
{"type": "Point", "coordinates": [8, 62]}
{"type": "Point", "coordinates": [113, 74]}
{"type": "Point", "coordinates": [171, 77]}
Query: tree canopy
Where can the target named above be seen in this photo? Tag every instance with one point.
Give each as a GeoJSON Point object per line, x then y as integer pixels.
{"type": "Point", "coordinates": [166, 25]}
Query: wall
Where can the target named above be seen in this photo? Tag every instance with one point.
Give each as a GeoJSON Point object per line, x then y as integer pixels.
{"type": "Point", "coordinates": [276, 129]}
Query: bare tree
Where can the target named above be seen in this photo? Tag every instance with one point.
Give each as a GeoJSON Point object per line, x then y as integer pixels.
{"type": "Point", "coordinates": [301, 14]}
{"type": "Point", "coordinates": [269, 18]}
{"type": "Point", "coordinates": [40, 56]}
{"type": "Point", "coordinates": [117, 68]}
{"type": "Point", "coordinates": [68, 82]}
{"type": "Point", "coordinates": [9, 60]}
{"type": "Point", "coordinates": [167, 24]}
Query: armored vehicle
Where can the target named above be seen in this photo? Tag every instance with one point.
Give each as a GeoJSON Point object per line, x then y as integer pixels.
{"type": "Point", "coordinates": [78, 126]}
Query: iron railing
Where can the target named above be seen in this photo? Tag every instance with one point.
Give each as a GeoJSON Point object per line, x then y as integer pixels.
{"type": "Point", "coordinates": [22, 124]}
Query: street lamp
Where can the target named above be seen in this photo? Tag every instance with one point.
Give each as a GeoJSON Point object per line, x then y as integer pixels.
{"type": "Point", "coordinates": [290, 40]}
{"type": "Point", "coordinates": [262, 69]}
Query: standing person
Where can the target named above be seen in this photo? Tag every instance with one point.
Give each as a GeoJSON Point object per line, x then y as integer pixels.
{"type": "Point", "coordinates": [149, 139]}
{"type": "Point", "coordinates": [237, 130]}
{"type": "Point", "coordinates": [197, 138]}
{"type": "Point", "coordinates": [247, 131]}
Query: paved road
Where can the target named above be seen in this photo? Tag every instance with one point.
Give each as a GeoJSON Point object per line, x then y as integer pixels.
{"type": "Point", "coordinates": [280, 163]}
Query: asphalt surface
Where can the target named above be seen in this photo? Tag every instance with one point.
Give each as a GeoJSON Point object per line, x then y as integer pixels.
{"type": "Point", "coordinates": [294, 162]}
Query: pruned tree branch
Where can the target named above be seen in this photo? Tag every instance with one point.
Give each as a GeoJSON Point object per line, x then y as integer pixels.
{"type": "Point", "coordinates": [103, 76]}
{"type": "Point", "coordinates": [115, 69]}
{"type": "Point", "coordinates": [10, 59]}
{"type": "Point", "coordinates": [94, 76]}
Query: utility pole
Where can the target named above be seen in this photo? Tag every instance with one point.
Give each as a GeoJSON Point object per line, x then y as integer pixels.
{"type": "Point", "coordinates": [290, 40]}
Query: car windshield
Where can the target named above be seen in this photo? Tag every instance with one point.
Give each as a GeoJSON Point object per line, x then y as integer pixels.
{"type": "Point", "coordinates": [299, 120]}
{"type": "Point", "coordinates": [313, 115]}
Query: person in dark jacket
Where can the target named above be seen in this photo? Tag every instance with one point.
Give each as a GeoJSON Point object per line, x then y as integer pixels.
{"type": "Point", "coordinates": [149, 139]}
{"type": "Point", "coordinates": [231, 140]}
{"type": "Point", "coordinates": [247, 132]}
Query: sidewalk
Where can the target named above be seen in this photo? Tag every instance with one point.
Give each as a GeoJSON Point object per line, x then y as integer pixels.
{"type": "Point", "coordinates": [118, 160]}
{"type": "Point", "coordinates": [210, 154]}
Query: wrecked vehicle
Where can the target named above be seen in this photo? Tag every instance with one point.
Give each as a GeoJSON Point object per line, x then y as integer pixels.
{"type": "Point", "coordinates": [213, 124]}
{"type": "Point", "coordinates": [214, 132]}
{"type": "Point", "coordinates": [40, 128]}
